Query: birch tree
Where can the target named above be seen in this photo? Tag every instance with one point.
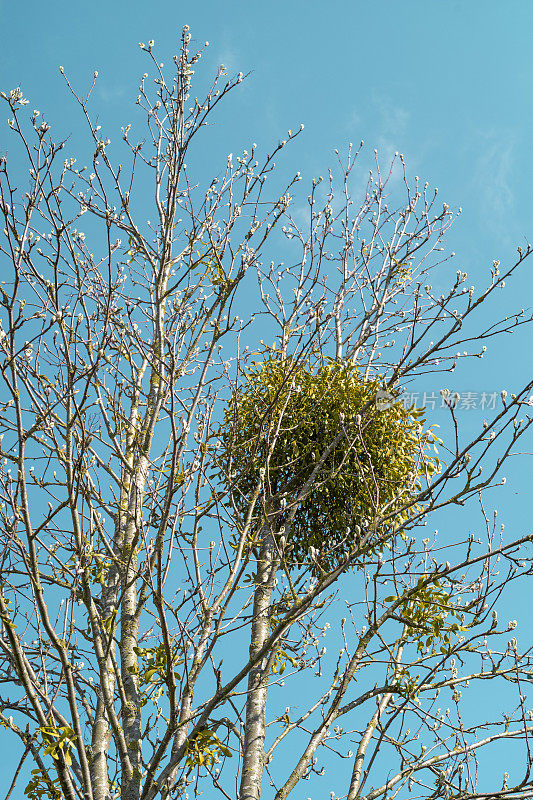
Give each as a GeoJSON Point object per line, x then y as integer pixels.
{"type": "Point", "coordinates": [208, 474]}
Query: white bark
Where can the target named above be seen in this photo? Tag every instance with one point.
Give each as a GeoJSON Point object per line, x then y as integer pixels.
{"type": "Point", "coordinates": [254, 736]}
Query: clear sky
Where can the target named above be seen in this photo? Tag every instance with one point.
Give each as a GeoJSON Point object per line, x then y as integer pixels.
{"type": "Point", "coordinates": [448, 83]}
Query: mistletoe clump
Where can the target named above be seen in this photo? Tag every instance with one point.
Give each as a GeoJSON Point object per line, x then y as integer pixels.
{"type": "Point", "coordinates": [282, 420]}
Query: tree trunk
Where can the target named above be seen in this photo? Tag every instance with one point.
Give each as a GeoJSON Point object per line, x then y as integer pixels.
{"type": "Point", "coordinates": [254, 734]}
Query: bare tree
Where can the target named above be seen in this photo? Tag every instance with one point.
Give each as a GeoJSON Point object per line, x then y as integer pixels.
{"type": "Point", "coordinates": [187, 512]}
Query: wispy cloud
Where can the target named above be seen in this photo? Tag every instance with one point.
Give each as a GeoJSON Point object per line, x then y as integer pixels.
{"type": "Point", "coordinates": [383, 124]}
{"type": "Point", "coordinates": [493, 173]}
{"type": "Point", "coordinates": [110, 94]}
{"type": "Point", "coordinates": [230, 58]}
{"type": "Point", "coordinates": [393, 121]}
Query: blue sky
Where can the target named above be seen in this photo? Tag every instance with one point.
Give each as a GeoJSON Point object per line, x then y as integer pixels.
{"type": "Point", "coordinates": [447, 83]}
